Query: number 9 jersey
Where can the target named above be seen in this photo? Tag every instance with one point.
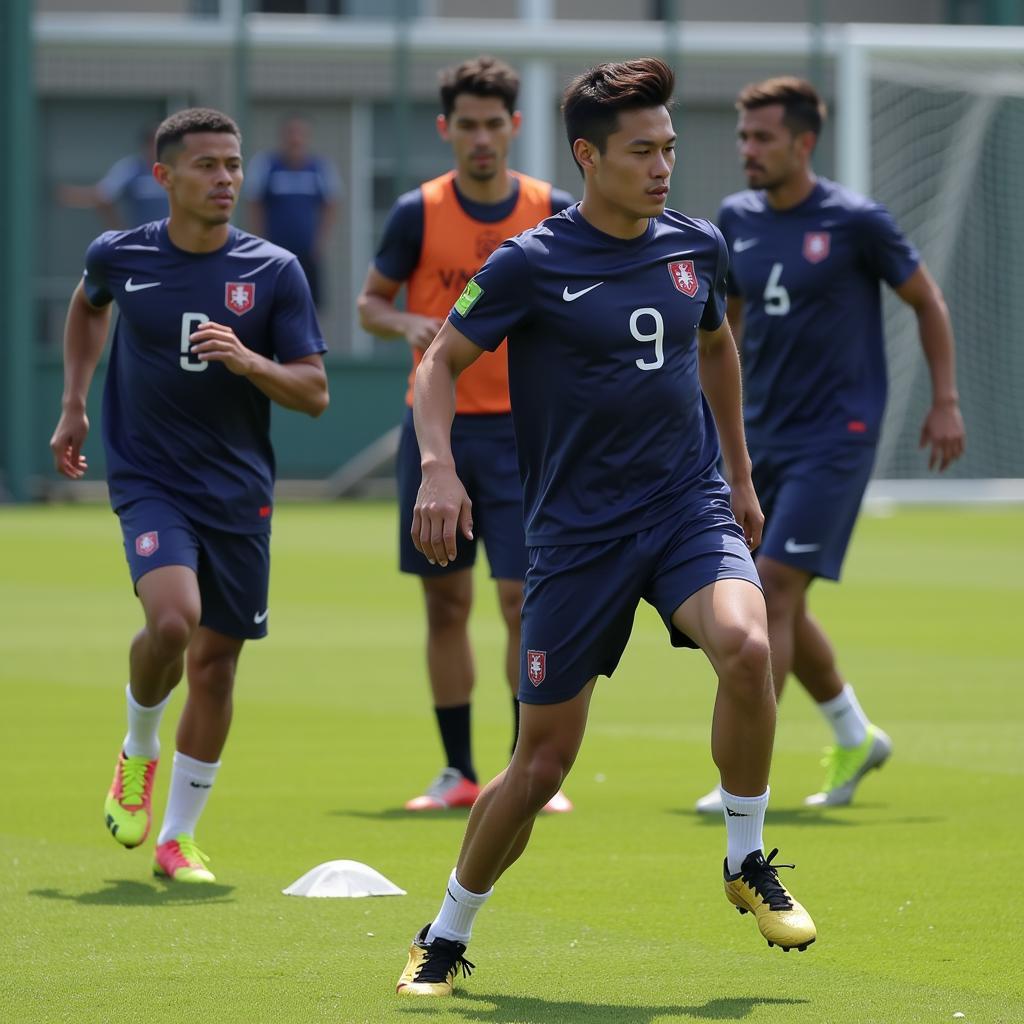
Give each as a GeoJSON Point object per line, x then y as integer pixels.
{"type": "Point", "coordinates": [177, 427]}
{"type": "Point", "coordinates": [612, 430]}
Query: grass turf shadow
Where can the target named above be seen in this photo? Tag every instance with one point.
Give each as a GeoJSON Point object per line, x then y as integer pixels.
{"type": "Point", "coordinates": [123, 892]}
{"type": "Point", "coordinates": [496, 1009]}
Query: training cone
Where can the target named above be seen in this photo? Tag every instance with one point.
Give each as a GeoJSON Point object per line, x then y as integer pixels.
{"type": "Point", "coordinates": [343, 878]}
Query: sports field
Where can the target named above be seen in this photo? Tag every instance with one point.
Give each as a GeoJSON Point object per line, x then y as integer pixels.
{"type": "Point", "coordinates": [616, 914]}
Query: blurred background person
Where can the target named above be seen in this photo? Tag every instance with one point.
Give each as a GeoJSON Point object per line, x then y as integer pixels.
{"type": "Point", "coordinates": [293, 198]}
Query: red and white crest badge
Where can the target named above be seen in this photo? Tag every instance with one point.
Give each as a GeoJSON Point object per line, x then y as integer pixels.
{"type": "Point", "coordinates": [147, 543]}
{"type": "Point", "coordinates": [684, 277]}
{"type": "Point", "coordinates": [536, 666]}
{"type": "Point", "coordinates": [817, 245]}
{"type": "Point", "coordinates": [239, 296]}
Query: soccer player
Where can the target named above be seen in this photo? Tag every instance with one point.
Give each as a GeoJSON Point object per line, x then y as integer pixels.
{"type": "Point", "coordinates": [214, 325]}
{"type": "Point", "coordinates": [615, 316]}
{"type": "Point", "coordinates": [808, 257]}
{"type": "Point", "coordinates": [293, 197]}
{"type": "Point", "coordinates": [435, 238]}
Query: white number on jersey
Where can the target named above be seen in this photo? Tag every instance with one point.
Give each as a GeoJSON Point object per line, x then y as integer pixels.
{"type": "Point", "coordinates": [776, 298]}
{"type": "Point", "coordinates": [189, 322]}
{"type": "Point", "coordinates": [657, 336]}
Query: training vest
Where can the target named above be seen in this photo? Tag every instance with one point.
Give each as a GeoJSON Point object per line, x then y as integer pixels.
{"type": "Point", "coordinates": [455, 246]}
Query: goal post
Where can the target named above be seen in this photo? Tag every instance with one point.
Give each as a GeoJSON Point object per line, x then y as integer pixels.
{"type": "Point", "coordinates": [930, 121]}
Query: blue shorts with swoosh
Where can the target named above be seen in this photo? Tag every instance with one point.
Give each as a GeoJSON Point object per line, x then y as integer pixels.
{"type": "Point", "coordinates": [233, 569]}
{"type": "Point", "coordinates": [810, 498]}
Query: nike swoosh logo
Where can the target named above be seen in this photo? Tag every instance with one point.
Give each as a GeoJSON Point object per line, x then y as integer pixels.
{"type": "Point", "coordinates": [569, 296]}
{"type": "Point", "coordinates": [735, 814]}
{"type": "Point", "coordinates": [260, 617]}
{"type": "Point", "coordinates": [742, 244]}
{"type": "Point", "coordinates": [129, 287]}
{"type": "Point", "coordinates": [792, 548]}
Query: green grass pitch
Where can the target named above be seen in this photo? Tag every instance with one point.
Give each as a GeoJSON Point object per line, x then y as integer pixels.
{"type": "Point", "coordinates": [615, 915]}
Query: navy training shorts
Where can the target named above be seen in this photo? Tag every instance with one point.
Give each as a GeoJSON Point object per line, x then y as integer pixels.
{"type": "Point", "coordinates": [581, 598]}
{"type": "Point", "coordinates": [233, 569]}
{"type": "Point", "coordinates": [810, 498]}
{"type": "Point", "coordinates": [484, 447]}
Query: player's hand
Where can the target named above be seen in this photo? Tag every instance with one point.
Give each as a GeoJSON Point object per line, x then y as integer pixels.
{"type": "Point", "coordinates": [442, 508]}
{"type": "Point", "coordinates": [747, 510]}
{"type": "Point", "coordinates": [944, 432]}
{"type": "Point", "coordinates": [66, 444]}
{"type": "Point", "coordinates": [215, 343]}
{"type": "Point", "coordinates": [420, 331]}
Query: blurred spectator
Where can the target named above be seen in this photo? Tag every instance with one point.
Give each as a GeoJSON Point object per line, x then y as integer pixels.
{"type": "Point", "coordinates": [127, 195]}
{"type": "Point", "coordinates": [293, 197]}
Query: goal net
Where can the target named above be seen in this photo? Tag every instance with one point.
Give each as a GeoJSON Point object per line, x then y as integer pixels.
{"type": "Point", "coordinates": [935, 130]}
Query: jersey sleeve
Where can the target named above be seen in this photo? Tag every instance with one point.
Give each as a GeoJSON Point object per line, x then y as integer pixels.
{"type": "Point", "coordinates": [402, 239]}
{"type": "Point", "coordinates": [331, 189]}
{"type": "Point", "coordinates": [731, 287]}
{"type": "Point", "coordinates": [560, 200]}
{"type": "Point", "coordinates": [714, 308]}
{"type": "Point", "coordinates": [495, 300]}
{"type": "Point", "coordinates": [887, 251]}
{"type": "Point", "coordinates": [295, 331]}
{"type": "Point", "coordinates": [94, 277]}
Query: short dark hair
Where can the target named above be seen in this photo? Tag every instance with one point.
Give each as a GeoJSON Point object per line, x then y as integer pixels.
{"type": "Point", "coordinates": [190, 122]}
{"type": "Point", "coordinates": [803, 109]}
{"type": "Point", "coordinates": [593, 101]}
{"type": "Point", "coordinates": [481, 76]}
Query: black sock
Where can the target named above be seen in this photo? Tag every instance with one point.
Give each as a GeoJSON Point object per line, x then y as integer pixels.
{"type": "Point", "coordinates": [515, 726]}
{"type": "Point", "coordinates": [454, 726]}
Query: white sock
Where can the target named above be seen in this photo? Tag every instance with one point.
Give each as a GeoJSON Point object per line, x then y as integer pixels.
{"type": "Point", "coordinates": [143, 727]}
{"type": "Point", "coordinates": [190, 788]}
{"type": "Point", "coordinates": [454, 920]}
{"type": "Point", "coordinates": [744, 825]}
{"type": "Point", "coordinates": [846, 717]}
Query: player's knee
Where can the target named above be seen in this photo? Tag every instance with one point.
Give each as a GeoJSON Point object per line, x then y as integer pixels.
{"type": "Point", "coordinates": [446, 610]}
{"type": "Point", "coordinates": [511, 602]}
{"type": "Point", "coordinates": [746, 659]}
{"type": "Point", "coordinates": [543, 771]}
{"type": "Point", "coordinates": [214, 676]}
{"type": "Point", "coordinates": [171, 630]}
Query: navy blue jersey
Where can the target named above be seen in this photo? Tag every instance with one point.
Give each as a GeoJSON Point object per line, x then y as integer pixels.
{"type": "Point", "coordinates": [176, 426]}
{"type": "Point", "coordinates": [812, 345]}
{"type": "Point", "coordinates": [293, 198]}
{"type": "Point", "coordinates": [402, 238]}
{"type": "Point", "coordinates": [612, 430]}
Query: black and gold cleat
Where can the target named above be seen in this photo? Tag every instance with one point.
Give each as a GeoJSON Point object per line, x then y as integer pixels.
{"type": "Point", "coordinates": [757, 890]}
{"type": "Point", "coordinates": [432, 968]}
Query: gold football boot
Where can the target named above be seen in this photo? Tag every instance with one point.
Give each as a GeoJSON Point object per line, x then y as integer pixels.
{"type": "Point", "coordinates": [758, 891]}
{"type": "Point", "coordinates": [432, 969]}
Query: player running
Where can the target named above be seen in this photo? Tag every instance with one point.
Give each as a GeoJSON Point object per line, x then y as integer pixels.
{"type": "Point", "coordinates": [214, 325]}
{"type": "Point", "coordinates": [615, 316]}
{"type": "Point", "coordinates": [807, 259]}
{"type": "Point", "coordinates": [435, 239]}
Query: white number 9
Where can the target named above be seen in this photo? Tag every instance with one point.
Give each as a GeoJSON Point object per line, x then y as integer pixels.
{"type": "Point", "coordinates": [658, 337]}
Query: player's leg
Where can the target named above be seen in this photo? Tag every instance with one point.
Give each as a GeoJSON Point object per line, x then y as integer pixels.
{"type": "Point", "coordinates": [808, 536]}
{"type": "Point", "coordinates": [234, 579]}
{"type": "Point", "coordinates": [448, 599]}
{"type": "Point", "coordinates": [162, 558]}
{"type": "Point", "coordinates": [577, 616]}
{"type": "Point", "coordinates": [728, 621]}
{"type": "Point", "coordinates": [497, 833]}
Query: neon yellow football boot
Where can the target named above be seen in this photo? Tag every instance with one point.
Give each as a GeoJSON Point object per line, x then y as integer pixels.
{"type": "Point", "coordinates": [128, 806]}
{"type": "Point", "coordinates": [432, 968]}
{"type": "Point", "coordinates": [756, 890]}
{"type": "Point", "coordinates": [180, 860]}
{"type": "Point", "coordinates": [846, 766]}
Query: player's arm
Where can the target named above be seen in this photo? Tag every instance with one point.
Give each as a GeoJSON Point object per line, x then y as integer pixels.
{"type": "Point", "coordinates": [379, 316]}
{"type": "Point", "coordinates": [442, 505]}
{"type": "Point", "coordinates": [943, 429]}
{"type": "Point", "coordinates": [85, 334]}
{"type": "Point", "coordinates": [719, 365]}
{"type": "Point", "coordinates": [300, 384]}
{"type": "Point", "coordinates": [734, 314]}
